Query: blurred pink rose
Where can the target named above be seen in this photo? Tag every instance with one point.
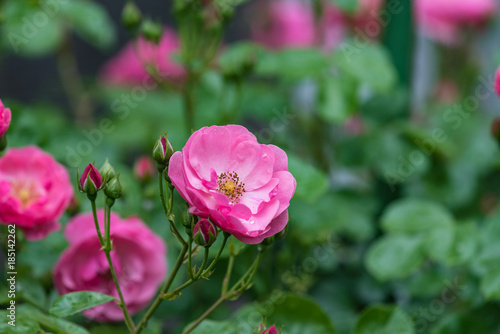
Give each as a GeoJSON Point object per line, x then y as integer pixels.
{"type": "Point", "coordinates": [245, 187]}
{"type": "Point", "coordinates": [284, 24]}
{"type": "Point", "coordinates": [332, 27]}
{"type": "Point", "coordinates": [271, 330]}
{"type": "Point", "coordinates": [34, 191]}
{"type": "Point", "coordinates": [442, 19]}
{"type": "Point", "coordinates": [497, 82]}
{"type": "Point", "coordinates": [129, 66]}
{"type": "Point", "coordinates": [5, 117]}
{"type": "Point", "coordinates": [144, 168]}
{"type": "Point", "coordinates": [139, 259]}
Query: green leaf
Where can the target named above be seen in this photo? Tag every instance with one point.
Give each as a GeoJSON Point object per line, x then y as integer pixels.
{"type": "Point", "coordinates": [370, 65]}
{"type": "Point", "coordinates": [490, 284]}
{"type": "Point", "coordinates": [29, 30]}
{"type": "Point", "coordinates": [311, 182]}
{"type": "Point", "coordinates": [295, 313]}
{"type": "Point", "coordinates": [210, 327]}
{"type": "Point", "coordinates": [383, 319]}
{"type": "Point", "coordinates": [415, 215]}
{"type": "Point", "coordinates": [333, 102]}
{"type": "Point", "coordinates": [22, 325]}
{"type": "Point", "coordinates": [238, 59]}
{"type": "Point", "coordinates": [394, 256]}
{"type": "Point", "coordinates": [91, 21]}
{"type": "Point", "coordinates": [75, 302]}
{"type": "Point", "coordinates": [292, 63]}
{"type": "Point", "coordinates": [56, 325]}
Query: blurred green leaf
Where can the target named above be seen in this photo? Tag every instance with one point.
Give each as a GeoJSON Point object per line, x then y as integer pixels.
{"type": "Point", "coordinates": [383, 319]}
{"type": "Point", "coordinates": [311, 182]}
{"type": "Point", "coordinates": [210, 327]}
{"type": "Point", "coordinates": [346, 5]}
{"type": "Point", "coordinates": [295, 313]}
{"type": "Point", "coordinates": [91, 21]}
{"type": "Point", "coordinates": [333, 103]}
{"type": "Point", "coordinates": [370, 65]}
{"type": "Point", "coordinates": [22, 325]}
{"type": "Point", "coordinates": [490, 284]}
{"type": "Point", "coordinates": [238, 59]}
{"type": "Point", "coordinates": [29, 30]}
{"type": "Point", "coordinates": [415, 215]}
{"type": "Point", "coordinates": [75, 302]}
{"type": "Point", "coordinates": [394, 256]}
{"type": "Point", "coordinates": [292, 63]}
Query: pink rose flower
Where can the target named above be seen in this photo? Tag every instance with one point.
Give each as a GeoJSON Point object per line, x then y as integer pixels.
{"type": "Point", "coordinates": [441, 20]}
{"type": "Point", "coordinates": [497, 82]}
{"type": "Point", "coordinates": [245, 187]}
{"type": "Point", "coordinates": [139, 259]}
{"type": "Point", "coordinates": [34, 191]}
{"type": "Point", "coordinates": [5, 117]}
{"type": "Point", "coordinates": [333, 27]}
{"type": "Point", "coordinates": [129, 66]}
{"type": "Point", "coordinates": [271, 330]}
{"type": "Point", "coordinates": [284, 24]}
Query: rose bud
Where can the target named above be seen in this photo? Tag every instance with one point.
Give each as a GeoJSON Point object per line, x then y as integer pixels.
{"type": "Point", "coordinates": [5, 117]}
{"type": "Point", "coordinates": [144, 169]}
{"type": "Point", "coordinates": [131, 16]}
{"type": "Point", "coordinates": [497, 82]}
{"type": "Point", "coordinates": [90, 181]}
{"type": "Point", "coordinates": [204, 233]}
{"type": "Point", "coordinates": [151, 30]}
{"type": "Point", "coordinates": [162, 153]}
{"type": "Point", "coordinates": [187, 218]}
{"type": "Point", "coordinates": [271, 330]}
{"type": "Point", "coordinates": [113, 188]}
{"type": "Point", "coordinates": [107, 171]}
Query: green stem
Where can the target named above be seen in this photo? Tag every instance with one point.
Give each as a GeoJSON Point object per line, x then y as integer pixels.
{"type": "Point", "coordinates": [128, 319]}
{"type": "Point", "coordinates": [96, 222]}
{"type": "Point", "coordinates": [190, 255]}
{"type": "Point", "coordinates": [144, 321]}
{"type": "Point", "coordinates": [227, 277]}
{"type": "Point", "coordinates": [235, 291]}
{"type": "Point", "coordinates": [210, 267]}
{"type": "Point", "coordinates": [195, 324]}
{"type": "Point", "coordinates": [168, 212]}
{"type": "Point", "coordinates": [203, 264]}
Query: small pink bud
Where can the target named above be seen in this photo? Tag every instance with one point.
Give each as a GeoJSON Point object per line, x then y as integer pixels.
{"type": "Point", "coordinates": [204, 233]}
{"type": "Point", "coordinates": [497, 82]}
{"type": "Point", "coordinates": [144, 169]}
{"type": "Point", "coordinates": [162, 152]}
{"type": "Point", "coordinates": [271, 330]}
{"type": "Point", "coordinates": [91, 180]}
{"type": "Point", "coordinates": [5, 117]}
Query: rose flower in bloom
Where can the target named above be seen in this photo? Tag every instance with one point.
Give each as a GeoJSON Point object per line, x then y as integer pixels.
{"type": "Point", "coordinates": [5, 117]}
{"type": "Point", "coordinates": [442, 19]}
{"type": "Point", "coordinates": [139, 259]}
{"type": "Point", "coordinates": [129, 66]}
{"type": "Point", "coordinates": [34, 191]}
{"type": "Point", "coordinates": [244, 187]}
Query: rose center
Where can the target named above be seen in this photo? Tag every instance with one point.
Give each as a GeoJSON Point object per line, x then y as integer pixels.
{"type": "Point", "coordinates": [230, 185]}
{"type": "Point", "coordinates": [25, 192]}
